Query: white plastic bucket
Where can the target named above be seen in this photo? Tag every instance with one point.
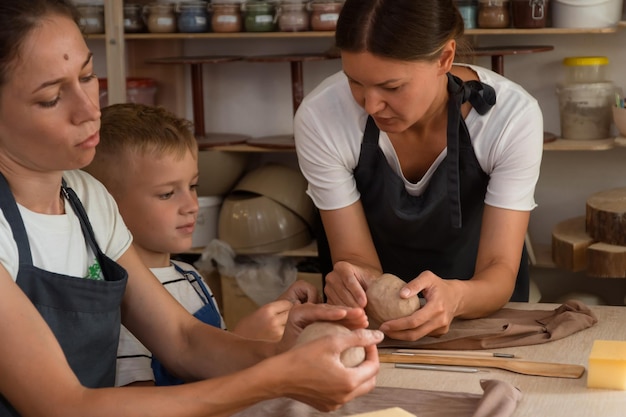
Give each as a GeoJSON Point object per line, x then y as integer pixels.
{"type": "Point", "coordinates": [585, 110]}
{"type": "Point", "coordinates": [206, 222]}
{"type": "Point", "coordinates": [586, 13]}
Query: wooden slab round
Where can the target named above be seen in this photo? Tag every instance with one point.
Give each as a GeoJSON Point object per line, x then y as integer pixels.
{"type": "Point", "coordinates": [606, 261]}
{"type": "Point", "coordinates": [570, 243]}
{"type": "Point", "coordinates": [606, 216]}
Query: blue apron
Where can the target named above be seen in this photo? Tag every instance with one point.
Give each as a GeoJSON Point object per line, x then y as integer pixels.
{"type": "Point", "coordinates": [440, 229]}
{"type": "Point", "coordinates": [208, 314]}
{"type": "Point", "coordinates": [83, 314]}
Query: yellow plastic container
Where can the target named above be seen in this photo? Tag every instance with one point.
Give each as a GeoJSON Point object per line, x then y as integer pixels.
{"type": "Point", "coordinates": [585, 69]}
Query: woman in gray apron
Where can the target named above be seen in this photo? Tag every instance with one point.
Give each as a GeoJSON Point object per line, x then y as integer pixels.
{"type": "Point", "coordinates": [80, 312]}
{"type": "Point", "coordinates": [69, 275]}
{"type": "Point", "coordinates": [420, 168]}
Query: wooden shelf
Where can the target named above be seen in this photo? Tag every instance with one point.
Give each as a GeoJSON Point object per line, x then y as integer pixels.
{"type": "Point", "coordinates": [247, 148]}
{"type": "Point", "coordinates": [545, 31]}
{"type": "Point", "coordinates": [582, 145]}
{"type": "Point", "coordinates": [308, 251]}
{"type": "Point", "coordinates": [330, 34]}
{"type": "Point", "coordinates": [556, 145]}
{"type": "Point", "coordinates": [213, 35]}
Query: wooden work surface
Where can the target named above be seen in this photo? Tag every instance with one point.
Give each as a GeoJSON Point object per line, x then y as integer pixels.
{"type": "Point", "coordinates": [542, 396]}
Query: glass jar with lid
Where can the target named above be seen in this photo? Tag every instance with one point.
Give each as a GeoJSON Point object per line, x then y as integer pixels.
{"type": "Point", "coordinates": [226, 17]}
{"type": "Point", "coordinates": [160, 17]}
{"type": "Point", "coordinates": [324, 14]}
{"type": "Point", "coordinates": [193, 17]}
{"type": "Point", "coordinates": [293, 16]}
{"type": "Point", "coordinates": [468, 10]}
{"type": "Point", "coordinates": [585, 98]}
{"type": "Point", "coordinates": [133, 19]}
{"type": "Point", "coordinates": [530, 13]}
{"type": "Point", "coordinates": [260, 16]}
{"type": "Point", "coordinates": [493, 14]}
{"type": "Point", "coordinates": [585, 69]}
{"type": "Point", "coordinates": [91, 18]}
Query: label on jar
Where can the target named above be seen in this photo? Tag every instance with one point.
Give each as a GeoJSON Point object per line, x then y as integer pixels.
{"type": "Point", "coordinates": [227, 19]}
{"type": "Point", "coordinates": [92, 23]}
{"type": "Point", "coordinates": [200, 20]}
{"type": "Point", "coordinates": [329, 17]}
{"type": "Point", "coordinates": [264, 18]}
{"type": "Point", "coordinates": [165, 21]}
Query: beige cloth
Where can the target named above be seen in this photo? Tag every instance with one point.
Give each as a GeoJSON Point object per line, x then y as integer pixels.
{"type": "Point", "coordinates": [499, 399]}
{"type": "Point", "coordinates": [508, 327]}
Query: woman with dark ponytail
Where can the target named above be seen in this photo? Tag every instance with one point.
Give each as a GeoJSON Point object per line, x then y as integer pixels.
{"type": "Point", "coordinates": [420, 166]}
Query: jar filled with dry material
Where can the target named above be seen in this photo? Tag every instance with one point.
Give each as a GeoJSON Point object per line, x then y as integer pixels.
{"type": "Point", "coordinates": [133, 19]}
{"type": "Point", "coordinates": [193, 17]}
{"type": "Point", "coordinates": [226, 17]}
{"type": "Point", "coordinates": [138, 90]}
{"type": "Point", "coordinates": [324, 14]}
{"type": "Point", "coordinates": [91, 18]}
{"type": "Point", "coordinates": [530, 13]}
{"type": "Point", "coordinates": [468, 10]}
{"type": "Point", "coordinates": [493, 14]}
{"type": "Point", "coordinates": [293, 16]}
{"type": "Point", "coordinates": [259, 16]}
{"type": "Point", "coordinates": [585, 99]}
{"type": "Point", "coordinates": [160, 17]}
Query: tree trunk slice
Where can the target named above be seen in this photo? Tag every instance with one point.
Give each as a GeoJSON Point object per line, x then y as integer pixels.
{"type": "Point", "coordinates": [606, 216]}
{"type": "Point", "coordinates": [606, 261]}
{"type": "Point", "coordinates": [570, 243]}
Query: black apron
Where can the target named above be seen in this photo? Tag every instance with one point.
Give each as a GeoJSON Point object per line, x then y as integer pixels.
{"type": "Point", "coordinates": [84, 314]}
{"type": "Point", "coordinates": [440, 229]}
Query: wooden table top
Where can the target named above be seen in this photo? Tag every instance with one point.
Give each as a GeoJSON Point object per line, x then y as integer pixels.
{"type": "Point", "coordinates": [541, 396]}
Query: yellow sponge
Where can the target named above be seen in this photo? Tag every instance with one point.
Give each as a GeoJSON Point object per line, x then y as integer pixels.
{"type": "Point", "coordinates": [607, 365]}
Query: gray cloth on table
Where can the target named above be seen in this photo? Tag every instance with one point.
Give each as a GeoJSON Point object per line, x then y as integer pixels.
{"type": "Point", "coordinates": [499, 399]}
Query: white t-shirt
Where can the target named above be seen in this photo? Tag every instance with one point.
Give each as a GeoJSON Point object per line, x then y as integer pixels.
{"type": "Point", "coordinates": [133, 358]}
{"type": "Point", "coordinates": [507, 141]}
{"type": "Point", "coordinates": [56, 241]}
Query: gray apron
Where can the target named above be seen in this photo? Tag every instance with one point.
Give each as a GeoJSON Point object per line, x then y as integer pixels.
{"type": "Point", "coordinates": [440, 229]}
{"type": "Point", "coordinates": [84, 314]}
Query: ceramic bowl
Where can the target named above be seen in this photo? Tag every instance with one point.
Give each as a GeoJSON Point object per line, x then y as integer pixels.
{"type": "Point", "coordinates": [220, 171]}
{"type": "Point", "coordinates": [253, 223]}
{"type": "Point", "coordinates": [619, 118]}
{"type": "Point", "coordinates": [283, 184]}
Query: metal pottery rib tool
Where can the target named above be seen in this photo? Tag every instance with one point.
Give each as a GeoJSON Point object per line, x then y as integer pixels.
{"type": "Point", "coordinates": [446, 368]}
{"type": "Point", "coordinates": [549, 369]}
{"type": "Point", "coordinates": [456, 353]}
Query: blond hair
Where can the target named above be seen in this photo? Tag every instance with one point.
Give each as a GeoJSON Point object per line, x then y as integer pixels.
{"type": "Point", "coordinates": [132, 129]}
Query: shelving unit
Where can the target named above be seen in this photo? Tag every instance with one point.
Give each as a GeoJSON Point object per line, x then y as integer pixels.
{"type": "Point", "coordinates": [143, 46]}
{"type": "Point", "coordinates": [330, 34]}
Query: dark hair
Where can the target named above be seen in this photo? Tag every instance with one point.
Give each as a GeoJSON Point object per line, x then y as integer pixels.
{"type": "Point", "coordinates": [18, 18]}
{"type": "Point", "coordinates": [406, 30]}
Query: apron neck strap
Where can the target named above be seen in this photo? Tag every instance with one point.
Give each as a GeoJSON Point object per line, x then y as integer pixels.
{"type": "Point", "coordinates": [482, 97]}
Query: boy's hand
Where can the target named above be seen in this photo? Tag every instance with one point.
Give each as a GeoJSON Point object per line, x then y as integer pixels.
{"type": "Point", "coordinates": [301, 292]}
{"type": "Point", "coordinates": [267, 323]}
